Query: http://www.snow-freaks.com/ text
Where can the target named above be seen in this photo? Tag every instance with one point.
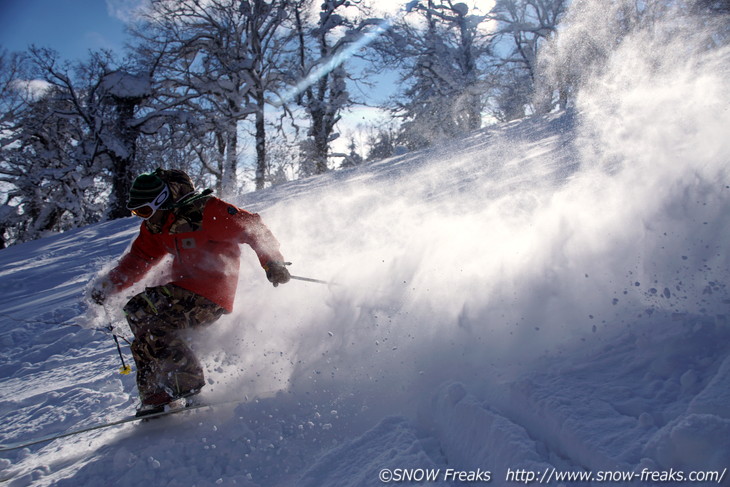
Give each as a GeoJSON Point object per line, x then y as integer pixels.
{"type": "Point", "coordinates": [549, 475]}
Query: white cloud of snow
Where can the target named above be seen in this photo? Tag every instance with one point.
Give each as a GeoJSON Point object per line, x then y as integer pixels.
{"type": "Point", "coordinates": [448, 268]}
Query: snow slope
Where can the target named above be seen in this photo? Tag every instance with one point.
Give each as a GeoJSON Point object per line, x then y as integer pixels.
{"type": "Point", "coordinates": [541, 297]}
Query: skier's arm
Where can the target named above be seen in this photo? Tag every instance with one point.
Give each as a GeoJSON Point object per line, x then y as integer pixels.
{"type": "Point", "coordinates": [255, 233]}
{"type": "Point", "coordinates": [251, 230]}
{"type": "Point", "coordinates": [141, 257]}
{"type": "Point", "coordinates": [144, 253]}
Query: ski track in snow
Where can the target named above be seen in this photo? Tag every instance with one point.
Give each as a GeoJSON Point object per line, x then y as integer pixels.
{"type": "Point", "coordinates": [530, 297]}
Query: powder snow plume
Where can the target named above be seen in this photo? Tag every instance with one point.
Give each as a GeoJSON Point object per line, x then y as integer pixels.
{"type": "Point", "coordinates": [489, 254]}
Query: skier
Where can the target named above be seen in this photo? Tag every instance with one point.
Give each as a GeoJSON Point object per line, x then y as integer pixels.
{"type": "Point", "coordinates": [202, 234]}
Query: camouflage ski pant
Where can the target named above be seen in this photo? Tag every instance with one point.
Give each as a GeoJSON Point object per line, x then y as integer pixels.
{"type": "Point", "coordinates": [166, 366]}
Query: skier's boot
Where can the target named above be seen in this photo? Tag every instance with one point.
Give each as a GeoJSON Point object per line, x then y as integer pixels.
{"type": "Point", "coordinates": [166, 401]}
{"type": "Point", "coordinates": [154, 404]}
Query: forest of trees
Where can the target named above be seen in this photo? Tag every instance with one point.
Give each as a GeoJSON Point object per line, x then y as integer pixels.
{"type": "Point", "coordinates": [244, 94]}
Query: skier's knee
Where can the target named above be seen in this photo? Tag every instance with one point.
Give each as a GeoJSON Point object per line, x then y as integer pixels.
{"type": "Point", "coordinates": [138, 309]}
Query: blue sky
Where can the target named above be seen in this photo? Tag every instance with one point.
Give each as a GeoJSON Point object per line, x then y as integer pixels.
{"type": "Point", "coordinates": [72, 27]}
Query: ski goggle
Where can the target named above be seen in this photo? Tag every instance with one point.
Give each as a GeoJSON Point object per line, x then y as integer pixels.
{"type": "Point", "coordinates": [146, 210]}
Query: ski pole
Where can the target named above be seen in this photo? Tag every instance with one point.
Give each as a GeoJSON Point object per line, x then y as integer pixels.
{"type": "Point", "coordinates": [125, 369]}
{"type": "Point", "coordinates": [309, 279]}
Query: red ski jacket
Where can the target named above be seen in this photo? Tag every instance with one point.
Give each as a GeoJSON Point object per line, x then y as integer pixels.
{"type": "Point", "coordinates": [204, 261]}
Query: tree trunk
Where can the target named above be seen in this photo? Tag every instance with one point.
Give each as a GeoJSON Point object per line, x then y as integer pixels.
{"type": "Point", "coordinates": [321, 148]}
{"type": "Point", "coordinates": [230, 171]}
{"type": "Point", "coordinates": [260, 142]}
{"type": "Point", "coordinates": [121, 184]}
{"type": "Point", "coordinates": [122, 163]}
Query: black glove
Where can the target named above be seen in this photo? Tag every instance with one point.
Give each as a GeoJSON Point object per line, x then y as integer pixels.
{"type": "Point", "coordinates": [277, 273]}
{"type": "Point", "coordinates": [100, 290]}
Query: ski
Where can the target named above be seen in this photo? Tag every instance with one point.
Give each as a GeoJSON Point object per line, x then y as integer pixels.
{"type": "Point", "coordinates": [109, 424]}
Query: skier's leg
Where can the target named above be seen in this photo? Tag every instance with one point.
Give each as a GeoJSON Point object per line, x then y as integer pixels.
{"type": "Point", "coordinates": [166, 366]}
{"type": "Point", "coordinates": [142, 312]}
{"type": "Point", "coordinates": [182, 372]}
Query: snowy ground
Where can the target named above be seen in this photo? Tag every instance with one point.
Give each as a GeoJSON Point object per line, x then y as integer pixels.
{"type": "Point", "coordinates": [543, 297]}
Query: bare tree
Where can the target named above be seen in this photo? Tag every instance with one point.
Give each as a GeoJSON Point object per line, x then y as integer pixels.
{"type": "Point", "coordinates": [218, 55]}
{"type": "Point", "coordinates": [524, 26]}
{"type": "Point", "coordinates": [441, 51]}
{"type": "Point", "coordinates": [52, 151]}
{"type": "Point", "coordinates": [321, 75]}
